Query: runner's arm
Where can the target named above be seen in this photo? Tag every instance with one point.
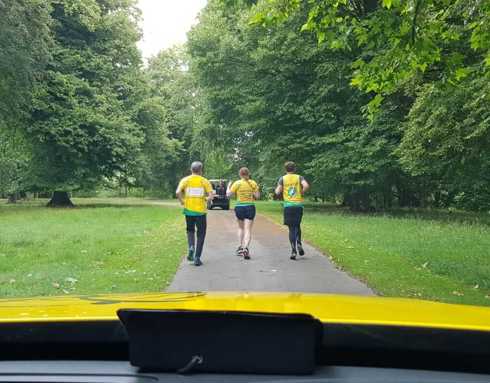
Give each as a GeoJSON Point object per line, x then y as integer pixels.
{"type": "Point", "coordinates": [233, 188]}
{"type": "Point", "coordinates": [180, 193]}
{"type": "Point", "coordinates": [279, 187]}
{"type": "Point", "coordinates": [229, 192]}
{"type": "Point", "coordinates": [208, 189]}
{"type": "Point", "coordinates": [256, 193]}
{"type": "Point", "coordinates": [180, 197]}
{"type": "Point", "coordinates": [305, 185]}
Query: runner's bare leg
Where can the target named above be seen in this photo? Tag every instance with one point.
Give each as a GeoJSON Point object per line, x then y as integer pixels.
{"type": "Point", "coordinates": [241, 232]}
{"type": "Point", "coordinates": [247, 237]}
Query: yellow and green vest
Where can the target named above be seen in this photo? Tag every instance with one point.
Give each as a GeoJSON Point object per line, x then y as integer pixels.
{"type": "Point", "coordinates": [292, 192]}
{"type": "Point", "coordinates": [195, 188]}
{"type": "Point", "coordinates": [244, 190]}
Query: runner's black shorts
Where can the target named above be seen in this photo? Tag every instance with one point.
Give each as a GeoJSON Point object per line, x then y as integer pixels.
{"type": "Point", "coordinates": [193, 221]}
{"type": "Point", "coordinates": [245, 212]}
{"type": "Point", "coordinates": [293, 215]}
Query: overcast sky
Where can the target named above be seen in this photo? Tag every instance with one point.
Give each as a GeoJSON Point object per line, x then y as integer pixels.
{"type": "Point", "coordinates": [166, 22]}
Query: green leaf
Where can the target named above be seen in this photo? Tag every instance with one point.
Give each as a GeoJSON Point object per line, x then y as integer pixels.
{"type": "Point", "coordinates": [461, 73]}
{"type": "Point", "coordinates": [358, 63]}
{"type": "Point", "coordinates": [321, 37]}
{"type": "Point", "coordinates": [257, 19]}
{"type": "Point", "coordinates": [305, 27]}
{"type": "Point", "coordinates": [376, 101]}
{"type": "Point", "coordinates": [357, 81]}
{"type": "Point", "coordinates": [387, 3]}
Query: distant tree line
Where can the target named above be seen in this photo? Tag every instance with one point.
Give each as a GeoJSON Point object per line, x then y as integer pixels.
{"type": "Point", "coordinates": [382, 103]}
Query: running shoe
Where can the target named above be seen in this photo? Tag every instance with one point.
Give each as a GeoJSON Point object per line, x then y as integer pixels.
{"type": "Point", "coordinates": [300, 249]}
{"type": "Point", "coordinates": [246, 253]}
{"type": "Point", "coordinates": [239, 251]}
{"type": "Point", "coordinates": [293, 255]}
{"type": "Point", "coordinates": [197, 262]}
{"type": "Point", "coordinates": [190, 255]}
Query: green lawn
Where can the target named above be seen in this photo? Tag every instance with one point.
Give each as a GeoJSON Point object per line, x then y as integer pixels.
{"type": "Point", "coordinates": [134, 245]}
{"type": "Point", "coordinates": [99, 247]}
{"type": "Point", "coordinates": [431, 255]}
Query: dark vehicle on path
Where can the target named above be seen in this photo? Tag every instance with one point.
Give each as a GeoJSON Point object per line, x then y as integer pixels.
{"type": "Point", "coordinates": [220, 199]}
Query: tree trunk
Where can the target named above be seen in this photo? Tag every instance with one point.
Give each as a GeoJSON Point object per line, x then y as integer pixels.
{"type": "Point", "coordinates": [12, 198]}
{"type": "Point", "coordinates": [60, 199]}
{"type": "Point", "coordinates": [358, 201]}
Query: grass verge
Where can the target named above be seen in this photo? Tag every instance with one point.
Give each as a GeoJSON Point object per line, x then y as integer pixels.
{"type": "Point", "coordinates": [426, 255]}
{"type": "Point", "coordinates": [102, 246]}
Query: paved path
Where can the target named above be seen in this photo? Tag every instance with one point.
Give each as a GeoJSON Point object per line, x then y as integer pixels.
{"type": "Point", "coordinates": [270, 268]}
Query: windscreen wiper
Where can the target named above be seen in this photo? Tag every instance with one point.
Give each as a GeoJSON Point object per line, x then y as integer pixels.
{"type": "Point", "coordinates": [223, 342]}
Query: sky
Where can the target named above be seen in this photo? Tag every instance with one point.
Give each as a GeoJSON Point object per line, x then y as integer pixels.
{"type": "Point", "coordinates": [166, 22]}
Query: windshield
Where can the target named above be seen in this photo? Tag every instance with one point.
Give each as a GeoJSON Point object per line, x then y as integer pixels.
{"type": "Point", "coordinates": [333, 147]}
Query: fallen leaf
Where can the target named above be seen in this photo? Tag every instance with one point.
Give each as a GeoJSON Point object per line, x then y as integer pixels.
{"type": "Point", "coordinates": [71, 280]}
{"type": "Point", "coordinates": [56, 285]}
{"type": "Point", "coordinates": [425, 265]}
{"type": "Point", "coordinates": [476, 286]}
{"type": "Point", "coordinates": [459, 294]}
{"type": "Point", "coordinates": [66, 291]}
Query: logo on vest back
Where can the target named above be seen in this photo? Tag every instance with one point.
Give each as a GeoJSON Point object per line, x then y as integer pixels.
{"type": "Point", "coordinates": [194, 192]}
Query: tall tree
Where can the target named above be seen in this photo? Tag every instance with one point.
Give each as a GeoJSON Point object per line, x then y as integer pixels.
{"type": "Point", "coordinates": [15, 162]}
{"type": "Point", "coordinates": [82, 126]}
{"type": "Point", "coordinates": [25, 41]}
{"type": "Point", "coordinates": [168, 119]}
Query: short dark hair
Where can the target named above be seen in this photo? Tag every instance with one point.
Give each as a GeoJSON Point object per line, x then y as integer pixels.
{"type": "Point", "coordinates": [290, 166]}
{"type": "Point", "coordinates": [244, 172]}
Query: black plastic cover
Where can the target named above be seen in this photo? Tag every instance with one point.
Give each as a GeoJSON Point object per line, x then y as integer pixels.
{"type": "Point", "coordinates": [225, 342]}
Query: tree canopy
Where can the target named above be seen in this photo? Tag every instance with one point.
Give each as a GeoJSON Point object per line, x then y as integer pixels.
{"type": "Point", "coordinates": [382, 103]}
